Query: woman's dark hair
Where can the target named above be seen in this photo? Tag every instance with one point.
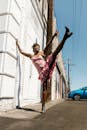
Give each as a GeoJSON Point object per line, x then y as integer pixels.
{"type": "Point", "coordinates": [35, 44]}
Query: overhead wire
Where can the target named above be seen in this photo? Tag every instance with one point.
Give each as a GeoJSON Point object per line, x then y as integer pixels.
{"type": "Point", "coordinates": [74, 28]}
{"type": "Point", "coordinates": [80, 19]}
{"type": "Point", "coordinates": [77, 19]}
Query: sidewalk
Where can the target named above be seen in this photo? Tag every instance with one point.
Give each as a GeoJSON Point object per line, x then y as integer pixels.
{"type": "Point", "coordinates": [28, 112]}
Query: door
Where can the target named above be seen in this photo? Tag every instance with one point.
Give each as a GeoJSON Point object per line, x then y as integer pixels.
{"type": "Point", "coordinates": [85, 93]}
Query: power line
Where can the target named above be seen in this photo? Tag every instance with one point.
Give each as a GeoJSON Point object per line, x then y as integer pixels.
{"type": "Point", "coordinates": [81, 6]}
{"type": "Point", "coordinates": [73, 27]}
{"type": "Point", "coordinates": [76, 25]}
{"type": "Point", "coordinates": [80, 20]}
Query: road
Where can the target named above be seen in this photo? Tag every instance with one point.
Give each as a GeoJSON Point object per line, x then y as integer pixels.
{"type": "Point", "coordinates": [68, 115]}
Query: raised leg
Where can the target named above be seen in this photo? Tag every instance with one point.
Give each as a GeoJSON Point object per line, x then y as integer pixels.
{"type": "Point", "coordinates": [60, 46]}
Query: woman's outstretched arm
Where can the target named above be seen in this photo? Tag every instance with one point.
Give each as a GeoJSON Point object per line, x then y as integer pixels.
{"type": "Point", "coordinates": [25, 54]}
{"type": "Point", "coordinates": [50, 41]}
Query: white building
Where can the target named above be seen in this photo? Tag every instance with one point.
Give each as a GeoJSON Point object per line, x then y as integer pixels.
{"type": "Point", "coordinates": [25, 20]}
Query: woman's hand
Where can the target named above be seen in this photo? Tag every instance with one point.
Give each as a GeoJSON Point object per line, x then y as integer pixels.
{"type": "Point", "coordinates": [17, 42]}
{"type": "Point", "coordinates": [20, 50]}
{"type": "Point", "coordinates": [18, 45]}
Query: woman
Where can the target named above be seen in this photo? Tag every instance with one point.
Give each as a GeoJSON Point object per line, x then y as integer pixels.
{"type": "Point", "coordinates": [45, 67]}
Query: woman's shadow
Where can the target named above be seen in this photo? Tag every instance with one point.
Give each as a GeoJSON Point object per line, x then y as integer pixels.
{"type": "Point", "coordinates": [28, 109]}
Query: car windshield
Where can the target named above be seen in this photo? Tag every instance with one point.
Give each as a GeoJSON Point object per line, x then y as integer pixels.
{"type": "Point", "coordinates": [85, 88]}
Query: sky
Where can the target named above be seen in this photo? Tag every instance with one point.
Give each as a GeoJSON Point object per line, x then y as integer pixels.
{"type": "Point", "coordinates": [73, 13]}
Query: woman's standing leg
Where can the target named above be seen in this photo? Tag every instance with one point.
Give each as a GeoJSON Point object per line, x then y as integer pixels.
{"type": "Point", "coordinates": [44, 96]}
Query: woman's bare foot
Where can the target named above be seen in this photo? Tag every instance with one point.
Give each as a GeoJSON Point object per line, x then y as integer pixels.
{"type": "Point", "coordinates": [43, 108]}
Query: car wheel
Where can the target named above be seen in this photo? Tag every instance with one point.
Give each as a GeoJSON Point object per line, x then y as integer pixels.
{"type": "Point", "coordinates": [77, 97]}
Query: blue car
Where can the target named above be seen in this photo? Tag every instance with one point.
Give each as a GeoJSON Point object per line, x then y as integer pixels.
{"type": "Point", "coordinates": [78, 94]}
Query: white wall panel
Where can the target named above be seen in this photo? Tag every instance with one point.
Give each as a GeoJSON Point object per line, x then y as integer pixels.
{"type": "Point", "coordinates": [3, 23]}
{"type": "Point", "coordinates": [20, 3]}
{"type": "Point", "coordinates": [4, 6]}
{"type": "Point", "coordinates": [9, 65]}
{"type": "Point", "coordinates": [7, 89]}
{"type": "Point", "coordinates": [16, 12]}
{"type": "Point", "coordinates": [11, 45]}
{"type": "Point", "coordinates": [2, 41]}
{"type": "Point", "coordinates": [1, 61]}
{"type": "Point", "coordinates": [13, 27]}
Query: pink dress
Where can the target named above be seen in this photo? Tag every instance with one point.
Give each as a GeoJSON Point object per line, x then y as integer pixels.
{"type": "Point", "coordinates": [42, 66]}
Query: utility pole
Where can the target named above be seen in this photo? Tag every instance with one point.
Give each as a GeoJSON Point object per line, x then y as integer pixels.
{"type": "Point", "coordinates": [50, 23]}
{"type": "Point", "coordinates": [69, 74]}
{"type": "Point", "coordinates": [49, 35]}
{"type": "Point", "coordinates": [69, 65]}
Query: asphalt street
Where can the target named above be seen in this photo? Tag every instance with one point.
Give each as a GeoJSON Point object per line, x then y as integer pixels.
{"type": "Point", "coordinates": [68, 115]}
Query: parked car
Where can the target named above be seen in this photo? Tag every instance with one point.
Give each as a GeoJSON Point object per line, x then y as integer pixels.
{"type": "Point", "coordinates": [78, 94]}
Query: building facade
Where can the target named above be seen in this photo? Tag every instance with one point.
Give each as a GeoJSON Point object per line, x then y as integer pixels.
{"type": "Point", "coordinates": [25, 20]}
{"type": "Point", "coordinates": [59, 82]}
